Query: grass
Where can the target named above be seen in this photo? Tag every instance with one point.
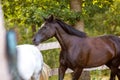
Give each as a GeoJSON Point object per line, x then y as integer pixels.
{"type": "Point", "coordinates": [67, 77]}
{"type": "Point", "coordinates": [95, 75]}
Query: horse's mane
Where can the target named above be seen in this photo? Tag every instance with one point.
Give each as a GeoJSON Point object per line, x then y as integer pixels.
{"type": "Point", "coordinates": [69, 29]}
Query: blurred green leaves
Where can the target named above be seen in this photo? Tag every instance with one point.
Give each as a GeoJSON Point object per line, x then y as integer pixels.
{"type": "Point", "coordinates": [107, 22]}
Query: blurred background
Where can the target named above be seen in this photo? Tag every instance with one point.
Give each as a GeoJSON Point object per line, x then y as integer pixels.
{"type": "Point", "coordinates": [94, 17]}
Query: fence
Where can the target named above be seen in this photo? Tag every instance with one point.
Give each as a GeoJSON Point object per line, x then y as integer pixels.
{"type": "Point", "coordinates": [55, 45]}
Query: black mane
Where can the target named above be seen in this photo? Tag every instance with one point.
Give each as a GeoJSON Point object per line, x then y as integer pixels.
{"type": "Point", "coordinates": [70, 30]}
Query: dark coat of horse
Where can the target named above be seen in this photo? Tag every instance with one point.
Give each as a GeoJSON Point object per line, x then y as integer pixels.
{"type": "Point", "coordinates": [79, 51]}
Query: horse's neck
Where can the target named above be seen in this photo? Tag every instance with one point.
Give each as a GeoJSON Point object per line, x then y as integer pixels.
{"type": "Point", "coordinates": [62, 37]}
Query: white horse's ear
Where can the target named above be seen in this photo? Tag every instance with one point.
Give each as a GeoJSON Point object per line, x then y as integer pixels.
{"type": "Point", "coordinates": [50, 18]}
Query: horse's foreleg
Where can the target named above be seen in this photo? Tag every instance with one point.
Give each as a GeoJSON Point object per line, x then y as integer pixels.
{"type": "Point", "coordinates": [112, 75]}
{"type": "Point", "coordinates": [77, 73]}
{"type": "Point", "coordinates": [113, 65]}
{"type": "Point", "coordinates": [62, 70]}
{"type": "Point", "coordinates": [113, 72]}
{"type": "Point", "coordinates": [118, 74]}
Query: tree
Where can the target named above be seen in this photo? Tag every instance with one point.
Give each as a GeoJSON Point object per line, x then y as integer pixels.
{"type": "Point", "coordinates": [76, 6]}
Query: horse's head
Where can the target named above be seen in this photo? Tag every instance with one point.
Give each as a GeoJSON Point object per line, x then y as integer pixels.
{"type": "Point", "coordinates": [46, 31]}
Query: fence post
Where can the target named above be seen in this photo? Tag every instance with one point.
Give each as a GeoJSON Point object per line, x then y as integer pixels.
{"type": "Point", "coordinates": [85, 75]}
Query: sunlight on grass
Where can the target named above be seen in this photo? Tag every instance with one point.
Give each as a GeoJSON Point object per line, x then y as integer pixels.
{"type": "Point", "coordinates": [67, 77]}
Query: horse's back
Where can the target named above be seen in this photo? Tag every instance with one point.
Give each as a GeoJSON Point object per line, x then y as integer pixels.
{"type": "Point", "coordinates": [95, 51]}
{"type": "Point", "coordinates": [30, 60]}
{"type": "Point", "coordinates": [104, 49]}
{"type": "Point", "coordinates": [115, 40]}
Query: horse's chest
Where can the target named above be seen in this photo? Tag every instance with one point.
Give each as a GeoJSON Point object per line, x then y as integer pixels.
{"type": "Point", "coordinates": [72, 60]}
{"type": "Point", "coordinates": [67, 61]}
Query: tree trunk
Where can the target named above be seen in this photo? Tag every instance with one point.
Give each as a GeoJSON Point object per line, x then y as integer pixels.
{"type": "Point", "coordinates": [79, 25]}
{"type": "Point", "coordinates": [76, 5]}
{"type": "Point", "coordinates": [33, 29]}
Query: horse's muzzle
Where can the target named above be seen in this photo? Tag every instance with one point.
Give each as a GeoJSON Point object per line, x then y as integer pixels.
{"type": "Point", "coordinates": [35, 42]}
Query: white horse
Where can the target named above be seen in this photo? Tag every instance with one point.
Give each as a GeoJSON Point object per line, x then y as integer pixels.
{"type": "Point", "coordinates": [29, 62]}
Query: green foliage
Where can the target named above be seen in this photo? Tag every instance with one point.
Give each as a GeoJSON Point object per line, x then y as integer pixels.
{"type": "Point", "coordinates": [23, 14]}
{"type": "Point", "coordinates": [99, 75]}
{"type": "Point", "coordinates": [100, 16]}
{"type": "Point", "coordinates": [105, 22]}
{"type": "Point", "coordinates": [51, 57]}
{"type": "Point", "coordinates": [96, 6]}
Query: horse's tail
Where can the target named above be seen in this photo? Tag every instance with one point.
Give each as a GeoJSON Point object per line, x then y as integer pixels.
{"type": "Point", "coordinates": [45, 72]}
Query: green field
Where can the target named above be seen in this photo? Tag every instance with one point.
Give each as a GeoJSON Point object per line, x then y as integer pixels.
{"type": "Point", "coordinates": [94, 75]}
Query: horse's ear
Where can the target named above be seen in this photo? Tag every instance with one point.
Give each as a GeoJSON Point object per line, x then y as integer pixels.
{"type": "Point", "coordinates": [50, 18]}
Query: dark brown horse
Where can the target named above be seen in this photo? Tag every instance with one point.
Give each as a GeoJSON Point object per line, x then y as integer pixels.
{"type": "Point", "coordinates": [79, 51]}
